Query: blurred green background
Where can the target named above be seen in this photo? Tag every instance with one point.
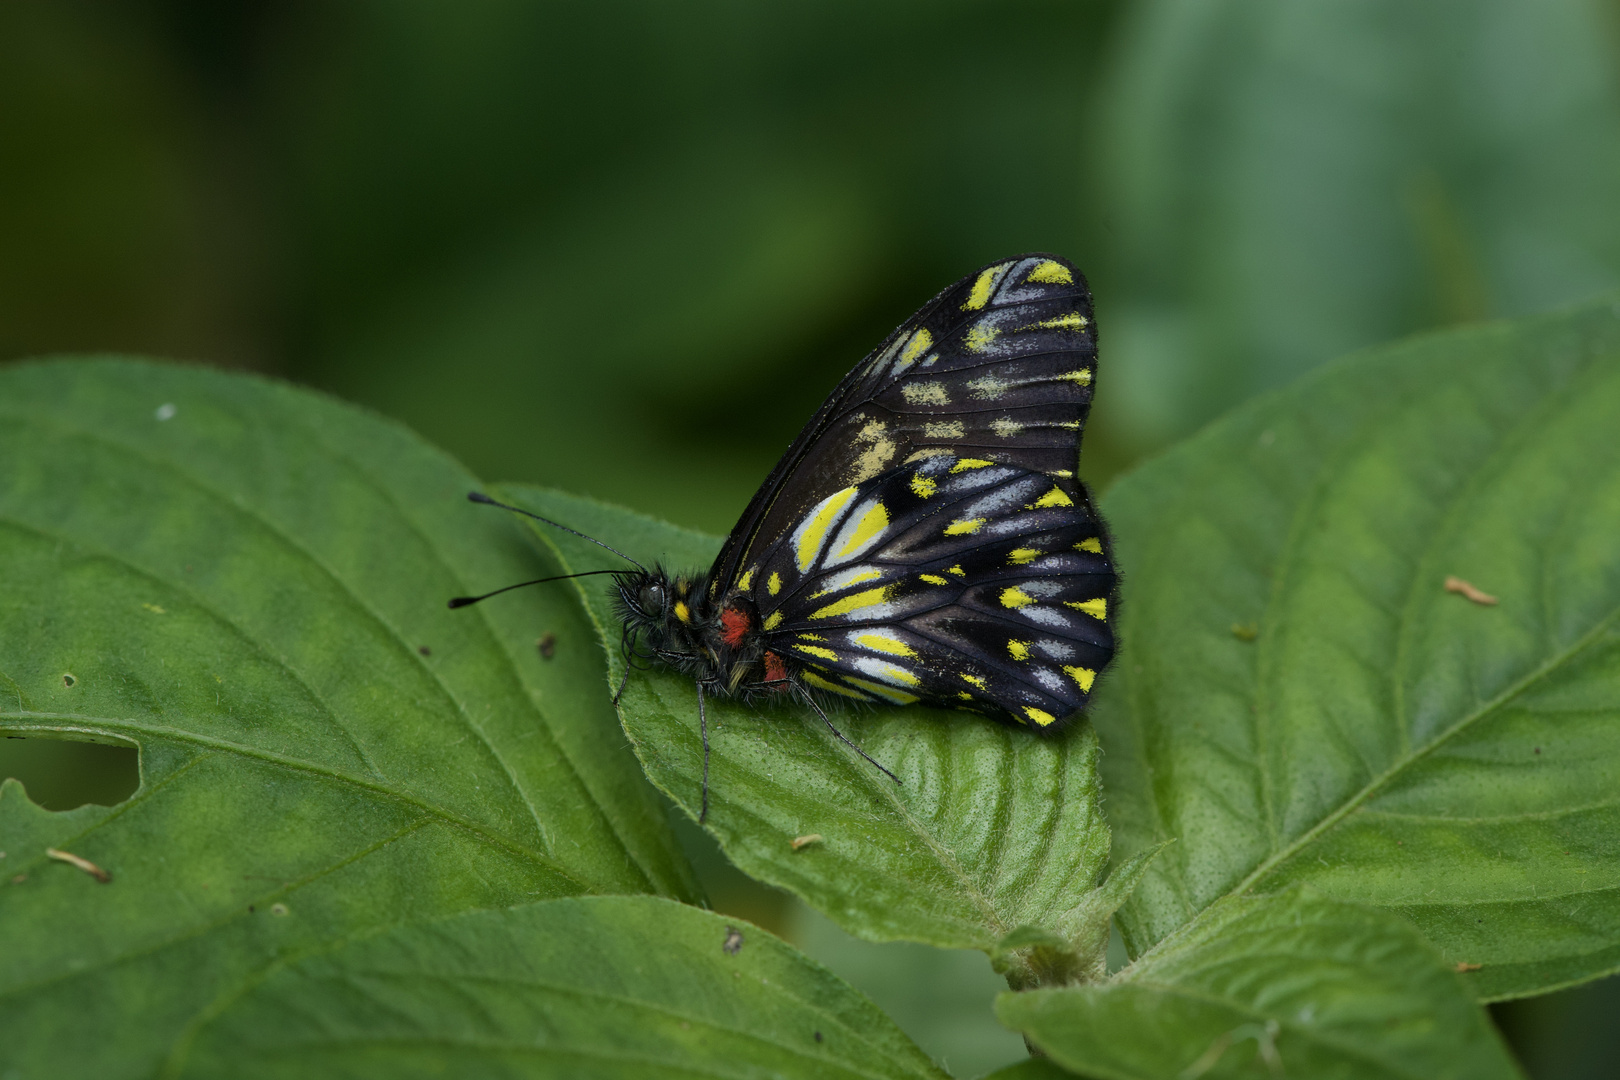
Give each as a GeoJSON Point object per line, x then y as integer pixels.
{"type": "Point", "coordinates": [626, 248]}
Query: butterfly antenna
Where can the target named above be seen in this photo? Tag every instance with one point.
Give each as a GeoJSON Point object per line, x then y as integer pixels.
{"type": "Point", "coordinates": [480, 497]}
{"type": "Point", "coordinates": [463, 601]}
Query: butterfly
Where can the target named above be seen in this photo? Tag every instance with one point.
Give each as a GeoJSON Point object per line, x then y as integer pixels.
{"type": "Point", "coordinates": [924, 539]}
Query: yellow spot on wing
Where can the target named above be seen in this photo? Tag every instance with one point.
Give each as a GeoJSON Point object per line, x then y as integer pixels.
{"type": "Point", "coordinates": [920, 343]}
{"type": "Point", "coordinates": [873, 522]}
{"type": "Point", "coordinates": [773, 620]}
{"type": "Point", "coordinates": [922, 486]}
{"type": "Point", "coordinates": [1055, 497]}
{"type": "Point", "coordinates": [1006, 427]}
{"type": "Point", "coordinates": [970, 463]}
{"type": "Point", "coordinates": [844, 583]}
{"type": "Point", "coordinates": [981, 336]}
{"type": "Point", "coordinates": [883, 643]}
{"type": "Point", "coordinates": [899, 697]}
{"type": "Point", "coordinates": [1040, 716]}
{"type": "Point", "coordinates": [928, 393]}
{"type": "Point", "coordinates": [945, 429]}
{"type": "Point", "coordinates": [1072, 321]}
{"type": "Point", "coordinates": [746, 580]}
{"type": "Point", "coordinates": [815, 529]}
{"type": "Point", "coordinates": [1022, 556]}
{"type": "Point", "coordinates": [1083, 376]}
{"type": "Point", "coordinates": [1015, 598]}
{"type": "Point", "coordinates": [823, 684]}
{"type": "Point", "coordinates": [1051, 273]}
{"type": "Point", "coordinates": [817, 650]}
{"type": "Point", "coordinates": [899, 674]}
{"type": "Point", "coordinates": [1018, 650]}
{"type": "Point", "coordinates": [963, 528]}
{"type": "Point", "coordinates": [1084, 676]}
{"type": "Point", "coordinates": [773, 584]}
{"type": "Point", "coordinates": [979, 295]}
{"type": "Point", "coordinates": [1091, 544]}
{"type": "Point", "coordinates": [958, 571]}
{"type": "Point", "coordinates": [1097, 609]}
{"type": "Point", "coordinates": [964, 695]}
{"type": "Point", "coordinates": [682, 612]}
{"type": "Point", "coordinates": [933, 579]}
{"type": "Point", "coordinates": [975, 680]}
{"type": "Point", "coordinates": [855, 602]}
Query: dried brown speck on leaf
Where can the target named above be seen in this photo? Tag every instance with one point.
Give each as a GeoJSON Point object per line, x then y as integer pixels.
{"type": "Point", "coordinates": [83, 864]}
{"type": "Point", "coordinates": [1465, 966]}
{"type": "Point", "coordinates": [803, 841]}
{"type": "Point", "coordinates": [547, 646]}
{"type": "Point", "coordinates": [734, 941]}
{"type": "Point", "coordinates": [1245, 631]}
{"type": "Point", "coordinates": [1458, 585]}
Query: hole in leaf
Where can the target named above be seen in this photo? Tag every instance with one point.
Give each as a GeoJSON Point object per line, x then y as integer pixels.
{"type": "Point", "coordinates": [69, 681]}
{"type": "Point", "coordinates": [63, 775]}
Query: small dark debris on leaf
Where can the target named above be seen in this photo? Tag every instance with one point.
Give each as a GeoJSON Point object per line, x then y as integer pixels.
{"type": "Point", "coordinates": [734, 941]}
{"type": "Point", "coordinates": [1458, 585]}
{"type": "Point", "coordinates": [250, 909]}
{"type": "Point", "coordinates": [805, 841]}
{"type": "Point", "coordinates": [547, 646]}
{"type": "Point", "coordinates": [68, 680]}
{"type": "Point", "coordinates": [82, 863]}
{"type": "Point", "coordinates": [818, 1036]}
{"type": "Point", "coordinates": [424, 650]}
{"type": "Point", "coordinates": [1538, 749]}
{"type": "Point", "coordinates": [1245, 631]}
{"type": "Point", "coordinates": [1464, 966]}
{"type": "Point", "coordinates": [278, 909]}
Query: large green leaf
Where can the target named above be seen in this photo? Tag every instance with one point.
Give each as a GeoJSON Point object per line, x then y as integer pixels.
{"type": "Point", "coordinates": [1293, 181]}
{"type": "Point", "coordinates": [991, 829]}
{"type": "Point", "coordinates": [1289, 985]}
{"type": "Point", "coordinates": [248, 582]}
{"type": "Point", "coordinates": [1301, 699]}
{"type": "Point", "coordinates": [591, 988]}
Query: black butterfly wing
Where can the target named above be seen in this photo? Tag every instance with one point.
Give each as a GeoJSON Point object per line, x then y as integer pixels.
{"type": "Point", "coordinates": [955, 581]}
{"type": "Point", "coordinates": [999, 365]}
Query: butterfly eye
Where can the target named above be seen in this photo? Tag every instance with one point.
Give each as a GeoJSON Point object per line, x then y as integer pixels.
{"type": "Point", "coordinates": [652, 599]}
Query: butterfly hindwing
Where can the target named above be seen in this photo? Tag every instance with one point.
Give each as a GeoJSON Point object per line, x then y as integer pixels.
{"type": "Point", "coordinates": [999, 365]}
{"type": "Point", "coordinates": [953, 580]}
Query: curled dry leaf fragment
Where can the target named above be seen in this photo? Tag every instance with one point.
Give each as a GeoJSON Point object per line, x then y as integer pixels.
{"type": "Point", "coordinates": [1245, 631]}
{"type": "Point", "coordinates": [82, 863]}
{"type": "Point", "coordinates": [801, 841]}
{"type": "Point", "coordinates": [1465, 966]}
{"type": "Point", "coordinates": [734, 941]}
{"type": "Point", "coordinates": [1458, 585]}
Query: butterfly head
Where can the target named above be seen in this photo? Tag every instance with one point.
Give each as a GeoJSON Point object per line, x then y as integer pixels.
{"type": "Point", "coordinates": [668, 614]}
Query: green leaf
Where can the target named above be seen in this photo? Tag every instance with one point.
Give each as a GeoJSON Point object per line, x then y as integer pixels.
{"type": "Point", "coordinates": [1290, 985]}
{"type": "Point", "coordinates": [599, 987]}
{"type": "Point", "coordinates": [248, 582]}
{"type": "Point", "coordinates": [1294, 181]}
{"type": "Point", "coordinates": [990, 830]}
{"type": "Point", "coordinates": [1301, 699]}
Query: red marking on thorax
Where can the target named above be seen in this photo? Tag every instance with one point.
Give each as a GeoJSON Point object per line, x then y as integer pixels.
{"type": "Point", "coordinates": [733, 625]}
{"type": "Point", "coordinates": [775, 670]}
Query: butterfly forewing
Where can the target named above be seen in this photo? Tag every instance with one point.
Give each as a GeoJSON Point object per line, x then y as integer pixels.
{"type": "Point", "coordinates": [952, 580]}
{"type": "Point", "coordinates": [999, 365]}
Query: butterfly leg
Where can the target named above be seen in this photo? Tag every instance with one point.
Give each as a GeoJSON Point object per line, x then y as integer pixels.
{"type": "Point", "coordinates": [814, 705]}
{"type": "Point", "coordinates": [622, 683]}
{"type": "Point", "coordinates": [703, 728]}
